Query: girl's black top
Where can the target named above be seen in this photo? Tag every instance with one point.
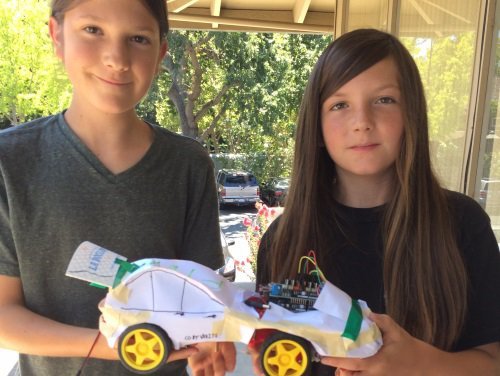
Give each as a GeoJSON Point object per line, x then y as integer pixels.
{"type": "Point", "coordinates": [355, 265]}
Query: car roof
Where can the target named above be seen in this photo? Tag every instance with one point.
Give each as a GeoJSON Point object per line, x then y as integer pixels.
{"type": "Point", "coordinates": [237, 172]}
{"type": "Point", "coordinates": [196, 274]}
{"type": "Point", "coordinates": [154, 278]}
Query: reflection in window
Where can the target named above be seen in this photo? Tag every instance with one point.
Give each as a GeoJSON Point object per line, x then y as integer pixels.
{"type": "Point", "coordinates": [368, 14]}
{"type": "Point", "coordinates": [489, 186]}
{"type": "Point", "coordinates": [441, 35]}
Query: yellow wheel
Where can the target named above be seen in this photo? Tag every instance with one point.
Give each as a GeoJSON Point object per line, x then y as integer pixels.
{"type": "Point", "coordinates": [283, 354]}
{"type": "Point", "coordinates": [144, 348]}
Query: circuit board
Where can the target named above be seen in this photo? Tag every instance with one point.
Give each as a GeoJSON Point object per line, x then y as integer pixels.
{"type": "Point", "coordinates": [296, 295]}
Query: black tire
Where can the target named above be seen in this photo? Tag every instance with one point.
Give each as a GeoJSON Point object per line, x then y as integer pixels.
{"type": "Point", "coordinates": [298, 359]}
{"type": "Point", "coordinates": [221, 204]}
{"type": "Point", "coordinates": [144, 348]}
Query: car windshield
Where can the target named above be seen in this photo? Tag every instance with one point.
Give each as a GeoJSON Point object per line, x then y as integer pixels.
{"type": "Point", "coordinates": [282, 183]}
{"type": "Point", "coordinates": [240, 180]}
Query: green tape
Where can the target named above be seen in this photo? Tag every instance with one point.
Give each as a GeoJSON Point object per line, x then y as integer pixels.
{"type": "Point", "coordinates": [353, 325]}
{"type": "Point", "coordinates": [125, 267]}
{"type": "Point", "coordinates": [98, 285]}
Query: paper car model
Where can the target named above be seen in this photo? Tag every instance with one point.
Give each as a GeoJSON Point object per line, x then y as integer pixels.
{"type": "Point", "coordinates": [156, 305]}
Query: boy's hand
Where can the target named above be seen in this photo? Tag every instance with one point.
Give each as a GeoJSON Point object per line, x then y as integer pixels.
{"type": "Point", "coordinates": [213, 359]}
{"type": "Point", "coordinates": [180, 354]}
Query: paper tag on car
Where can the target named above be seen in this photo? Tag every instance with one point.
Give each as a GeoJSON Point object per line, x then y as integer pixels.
{"type": "Point", "coordinates": [94, 264]}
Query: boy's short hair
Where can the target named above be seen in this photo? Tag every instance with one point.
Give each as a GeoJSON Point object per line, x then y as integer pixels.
{"type": "Point", "coordinates": [158, 9]}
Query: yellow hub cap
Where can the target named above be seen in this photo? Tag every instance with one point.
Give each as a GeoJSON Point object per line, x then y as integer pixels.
{"type": "Point", "coordinates": [285, 357]}
{"type": "Point", "coordinates": [142, 349]}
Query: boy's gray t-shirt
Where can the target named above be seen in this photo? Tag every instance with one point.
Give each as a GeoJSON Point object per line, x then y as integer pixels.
{"type": "Point", "coordinates": [55, 194]}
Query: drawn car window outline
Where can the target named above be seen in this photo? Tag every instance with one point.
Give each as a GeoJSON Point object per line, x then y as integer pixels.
{"type": "Point", "coordinates": [182, 309]}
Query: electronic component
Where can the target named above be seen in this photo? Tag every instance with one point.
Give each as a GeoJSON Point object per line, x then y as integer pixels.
{"type": "Point", "coordinates": [296, 295]}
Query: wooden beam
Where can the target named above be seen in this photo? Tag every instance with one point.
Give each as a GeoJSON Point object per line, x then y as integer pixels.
{"type": "Point", "coordinates": [341, 17]}
{"type": "Point", "coordinates": [312, 18]}
{"type": "Point", "coordinates": [251, 25]}
{"type": "Point", "coordinates": [215, 8]}
{"type": "Point", "coordinates": [393, 17]}
{"type": "Point", "coordinates": [177, 6]}
{"type": "Point", "coordinates": [300, 10]}
{"type": "Point", "coordinates": [215, 11]}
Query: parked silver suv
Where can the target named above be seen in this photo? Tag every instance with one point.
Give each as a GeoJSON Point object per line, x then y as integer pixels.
{"type": "Point", "coordinates": [237, 188]}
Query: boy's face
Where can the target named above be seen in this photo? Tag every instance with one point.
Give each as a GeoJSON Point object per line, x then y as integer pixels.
{"type": "Point", "coordinates": [111, 50]}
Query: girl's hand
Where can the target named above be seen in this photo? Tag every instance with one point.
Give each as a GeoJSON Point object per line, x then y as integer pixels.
{"type": "Point", "coordinates": [212, 359]}
{"type": "Point", "coordinates": [401, 354]}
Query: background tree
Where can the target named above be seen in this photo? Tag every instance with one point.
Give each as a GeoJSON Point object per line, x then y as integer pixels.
{"type": "Point", "coordinates": [31, 79]}
{"type": "Point", "coordinates": [236, 93]}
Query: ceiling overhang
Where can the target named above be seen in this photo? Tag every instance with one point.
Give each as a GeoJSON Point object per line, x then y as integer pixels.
{"type": "Point", "coordinates": [291, 16]}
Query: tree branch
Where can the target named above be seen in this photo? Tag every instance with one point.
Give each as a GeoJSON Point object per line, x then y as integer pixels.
{"type": "Point", "coordinates": [214, 122]}
{"type": "Point", "coordinates": [212, 102]}
{"type": "Point", "coordinates": [197, 74]}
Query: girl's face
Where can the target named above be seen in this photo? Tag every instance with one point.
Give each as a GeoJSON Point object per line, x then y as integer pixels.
{"type": "Point", "coordinates": [111, 50]}
{"type": "Point", "coordinates": [362, 123]}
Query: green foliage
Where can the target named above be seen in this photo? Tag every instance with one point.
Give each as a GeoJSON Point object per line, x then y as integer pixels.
{"type": "Point", "coordinates": [267, 74]}
{"type": "Point", "coordinates": [445, 64]}
{"type": "Point", "coordinates": [273, 163]}
{"type": "Point", "coordinates": [33, 83]}
{"type": "Point", "coordinates": [491, 164]}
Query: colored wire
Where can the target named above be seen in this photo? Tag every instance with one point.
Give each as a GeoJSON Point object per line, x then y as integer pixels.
{"type": "Point", "coordinates": [312, 254]}
{"type": "Point", "coordinates": [311, 260]}
{"type": "Point", "coordinates": [317, 275]}
{"type": "Point", "coordinates": [88, 355]}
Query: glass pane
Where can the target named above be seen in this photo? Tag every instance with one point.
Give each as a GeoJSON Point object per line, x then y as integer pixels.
{"type": "Point", "coordinates": [441, 35]}
{"type": "Point", "coordinates": [488, 191]}
{"type": "Point", "coordinates": [368, 14]}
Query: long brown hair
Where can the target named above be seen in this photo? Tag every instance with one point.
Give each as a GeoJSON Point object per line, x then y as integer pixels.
{"type": "Point", "coordinates": [158, 9]}
{"type": "Point", "coordinates": [425, 280]}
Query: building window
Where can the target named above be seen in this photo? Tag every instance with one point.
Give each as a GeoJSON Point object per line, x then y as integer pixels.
{"type": "Point", "coordinates": [441, 35]}
{"type": "Point", "coordinates": [364, 14]}
{"type": "Point", "coordinates": [488, 190]}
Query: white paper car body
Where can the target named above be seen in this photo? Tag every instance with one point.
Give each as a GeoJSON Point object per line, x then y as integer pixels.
{"type": "Point", "coordinates": [154, 303]}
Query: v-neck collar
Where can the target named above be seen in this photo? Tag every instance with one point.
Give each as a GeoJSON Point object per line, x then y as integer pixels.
{"type": "Point", "coordinates": [88, 157]}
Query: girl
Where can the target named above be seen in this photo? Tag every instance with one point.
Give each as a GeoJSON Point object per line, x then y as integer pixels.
{"type": "Point", "coordinates": [98, 172]}
{"type": "Point", "coordinates": [363, 196]}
